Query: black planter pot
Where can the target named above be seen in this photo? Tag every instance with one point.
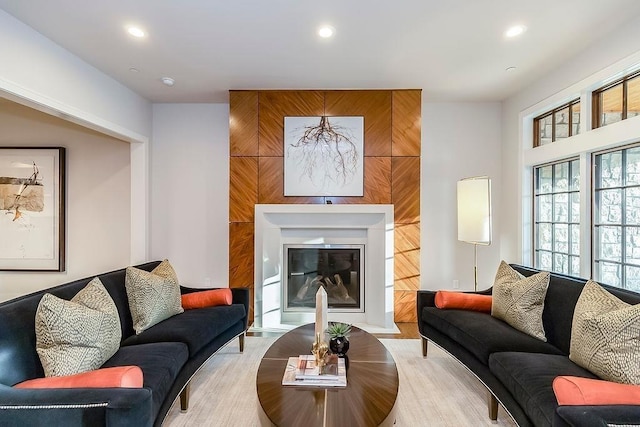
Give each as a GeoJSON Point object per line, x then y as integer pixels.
{"type": "Point", "coordinates": [339, 346]}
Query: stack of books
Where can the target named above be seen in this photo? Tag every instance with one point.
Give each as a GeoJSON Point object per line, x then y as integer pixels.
{"type": "Point", "coordinates": [303, 371]}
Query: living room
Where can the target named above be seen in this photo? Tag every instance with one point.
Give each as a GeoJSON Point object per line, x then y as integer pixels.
{"type": "Point", "coordinates": [149, 179]}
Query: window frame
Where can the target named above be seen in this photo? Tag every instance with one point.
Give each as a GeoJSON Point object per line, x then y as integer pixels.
{"type": "Point", "coordinates": [536, 250]}
{"type": "Point", "coordinates": [595, 259]}
{"type": "Point", "coordinates": [552, 113]}
{"type": "Point", "coordinates": [596, 99]}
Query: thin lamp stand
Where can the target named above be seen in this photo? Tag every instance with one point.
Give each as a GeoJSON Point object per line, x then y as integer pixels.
{"type": "Point", "coordinates": [475, 267]}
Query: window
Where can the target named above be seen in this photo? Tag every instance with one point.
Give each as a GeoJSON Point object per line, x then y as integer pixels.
{"type": "Point", "coordinates": [557, 217]}
{"type": "Point", "coordinates": [557, 124]}
{"type": "Point", "coordinates": [617, 101]}
{"type": "Point", "coordinates": [616, 228]}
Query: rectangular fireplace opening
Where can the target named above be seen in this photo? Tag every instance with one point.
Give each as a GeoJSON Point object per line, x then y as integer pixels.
{"type": "Point", "coordinates": [339, 269]}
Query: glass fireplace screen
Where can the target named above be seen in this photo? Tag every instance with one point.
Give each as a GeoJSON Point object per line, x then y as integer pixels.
{"type": "Point", "coordinates": [337, 268]}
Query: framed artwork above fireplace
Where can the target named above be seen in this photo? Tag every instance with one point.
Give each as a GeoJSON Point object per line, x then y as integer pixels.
{"type": "Point", "coordinates": [324, 156]}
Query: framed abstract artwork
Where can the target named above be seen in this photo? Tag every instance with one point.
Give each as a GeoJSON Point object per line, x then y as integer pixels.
{"type": "Point", "coordinates": [324, 156]}
{"type": "Point", "coordinates": [32, 214]}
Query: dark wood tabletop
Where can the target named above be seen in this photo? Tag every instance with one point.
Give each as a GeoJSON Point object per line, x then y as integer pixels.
{"type": "Point", "coordinates": [368, 400]}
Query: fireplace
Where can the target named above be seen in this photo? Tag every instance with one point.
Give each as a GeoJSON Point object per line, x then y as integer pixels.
{"type": "Point", "coordinates": [359, 245]}
{"type": "Point", "coordinates": [339, 269]}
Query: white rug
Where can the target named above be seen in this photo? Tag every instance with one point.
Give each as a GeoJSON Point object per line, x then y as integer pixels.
{"type": "Point", "coordinates": [436, 391]}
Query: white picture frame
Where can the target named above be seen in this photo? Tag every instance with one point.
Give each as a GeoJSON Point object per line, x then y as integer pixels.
{"type": "Point", "coordinates": [32, 208]}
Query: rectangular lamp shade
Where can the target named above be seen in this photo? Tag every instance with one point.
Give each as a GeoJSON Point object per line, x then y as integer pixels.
{"type": "Point", "coordinates": [474, 210]}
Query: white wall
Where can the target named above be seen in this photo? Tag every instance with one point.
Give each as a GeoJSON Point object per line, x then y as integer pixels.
{"type": "Point", "coordinates": [618, 45]}
{"type": "Point", "coordinates": [190, 191]}
{"type": "Point", "coordinates": [44, 74]}
{"type": "Point", "coordinates": [459, 140]}
{"type": "Point", "coordinates": [98, 197]}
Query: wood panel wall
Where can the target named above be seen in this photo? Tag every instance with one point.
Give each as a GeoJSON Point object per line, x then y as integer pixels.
{"type": "Point", "coordinates": [392, 135]}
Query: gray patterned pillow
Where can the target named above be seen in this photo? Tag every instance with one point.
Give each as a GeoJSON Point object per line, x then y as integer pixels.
{"type": "Point", "coordinates": [78, 335]}
{"type": "Point", "coordinates": [605, 335]}
{"type": "Point", "coordinates": [519, 300]}
{"type": "Point", "coordinates": [153, 297]}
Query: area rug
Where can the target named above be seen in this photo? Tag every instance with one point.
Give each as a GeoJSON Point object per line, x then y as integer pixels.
{"type": "Point", "coordinates": [436, 391]}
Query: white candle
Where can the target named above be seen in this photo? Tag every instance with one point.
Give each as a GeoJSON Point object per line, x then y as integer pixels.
{"type": "Point", "coordinates": [322, 323]}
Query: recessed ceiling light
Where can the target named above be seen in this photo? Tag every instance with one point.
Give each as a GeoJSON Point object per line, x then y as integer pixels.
{"type": "Point", "coordinates": [326, 31]}
{"type": "Point", "coordinates": [168, 81]}
{"type": "Point", "coordinates": [510, 69]}
{"type": "Point", "coordinates": [136, 31]}
{"type": "Point", "coordinates": [515, 31]}
{"type": "Point", "coordinates": [134, 70]}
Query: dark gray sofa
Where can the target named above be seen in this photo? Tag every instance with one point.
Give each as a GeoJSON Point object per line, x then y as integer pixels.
{"type": "Point", "coordinates": [517, 369]}
{"type": "Point", "coordinates": [168, 353]}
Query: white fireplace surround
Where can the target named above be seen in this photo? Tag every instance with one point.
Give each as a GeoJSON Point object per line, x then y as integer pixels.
{"type": "Point", "coordinates": [368, 225]}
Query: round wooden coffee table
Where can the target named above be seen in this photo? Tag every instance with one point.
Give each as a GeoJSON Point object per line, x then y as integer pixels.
{"type": "Point", "coordinates": [368, 400]}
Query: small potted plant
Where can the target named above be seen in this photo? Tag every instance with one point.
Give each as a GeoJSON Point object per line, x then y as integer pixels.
{"type": "Point", "coordinates": [339, 338]}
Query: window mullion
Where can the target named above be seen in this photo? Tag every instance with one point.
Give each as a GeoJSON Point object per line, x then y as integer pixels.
{"type": "Point", "coordinates": [553, 211]}
{"type": "Point", "coordinates": [623, 219]}
{"type": "Point", "coordinates": [624, 100]}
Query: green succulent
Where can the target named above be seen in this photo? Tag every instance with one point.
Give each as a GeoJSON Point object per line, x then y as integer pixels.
{"type": "Point", "coordinates": [338, 329]}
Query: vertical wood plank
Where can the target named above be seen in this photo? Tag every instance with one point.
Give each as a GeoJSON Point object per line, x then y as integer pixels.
{"type": "Point", "coordinates": [377, 183]}
{"type": "Point", "coordinates": [241, 271]}
{"type": "Point", "coordinates": [407, 257]}
{"type": "Point", "coordinates": [375, 106]}
{"type": "Point", "coordinates": [405, 189]}
{"type": "Point", "coordinates": [271, 184]}
{"type": "Point", "coordinates": [243, 123]}
{"type": "Point", "coordinates": [405, 306]}
{"type": "Point", "coordinates": [407, 122]}
{"type": "Point", "coordinates": [274, 106]}
{"type": "Point", "coordinates": [241, 254]}
{"type": "Point", "coordinates": [243, 188]}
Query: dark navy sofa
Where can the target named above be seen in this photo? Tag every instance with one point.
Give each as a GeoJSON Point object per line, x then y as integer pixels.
{"type": "Point", "coordinates": [517, 369]}
{"type": "Point", "coordinates": [168, 353]}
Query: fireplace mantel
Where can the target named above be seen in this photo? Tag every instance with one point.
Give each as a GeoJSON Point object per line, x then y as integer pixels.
{"type": "Point", "coordinates": [371, 225]}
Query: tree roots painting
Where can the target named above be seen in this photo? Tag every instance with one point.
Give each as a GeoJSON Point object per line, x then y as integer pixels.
{"type": "Point", "coordinates": [326, 154]}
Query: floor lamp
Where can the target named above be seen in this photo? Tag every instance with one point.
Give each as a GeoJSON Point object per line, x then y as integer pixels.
{"type": "Point", "coordinates": [474, 215]}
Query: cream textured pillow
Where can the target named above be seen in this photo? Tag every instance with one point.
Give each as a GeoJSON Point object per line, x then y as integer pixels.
{"type": "Point", "coordinates": [605, 335]}
{"type": "Point", "coordinates": [519, 300]}
{"type": "Point", "coordinates": [153, 297]}
{"type": "Point", "coordinates": [78, 335]}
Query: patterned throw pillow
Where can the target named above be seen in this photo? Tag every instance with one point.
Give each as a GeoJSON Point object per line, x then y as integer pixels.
{"type": "Point", "coordinates": [519, 300]}
{"type": "Point", "coordinates": [78, 335]}
{"type": "Point", "coordinates": [605, 335]}
{"type": "Point", "coordinates": [153, 297]}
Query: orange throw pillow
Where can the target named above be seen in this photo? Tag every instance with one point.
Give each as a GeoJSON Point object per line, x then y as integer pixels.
{"type": "Point", "coordinates": [462, 301]}
{"type": "Point", "coordinates": [208, 298]}
{"type": "Point", "coordinates": [586, 391]}
{"type": "Point", "coordinates": [118, 376]}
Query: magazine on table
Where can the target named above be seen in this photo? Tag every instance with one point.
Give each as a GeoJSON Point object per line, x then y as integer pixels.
{"type": "Point", "coordinates": [303, 371]}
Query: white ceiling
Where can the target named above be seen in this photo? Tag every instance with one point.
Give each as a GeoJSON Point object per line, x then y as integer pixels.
{"type": "Point", "coordinates": [452, 49]}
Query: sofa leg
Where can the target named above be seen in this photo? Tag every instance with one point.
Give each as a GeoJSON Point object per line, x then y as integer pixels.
{"type": "Point", "coordinates": [424, 347]}
{"type": "Point", "coordinates": [241, 342]}
{"type": "Point", "coordinates": [493, 407]}
{"type": "Point", "coordinates": [184, 398]}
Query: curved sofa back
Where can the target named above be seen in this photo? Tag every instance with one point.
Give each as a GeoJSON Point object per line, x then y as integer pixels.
{"type": "Point", "coordinates": [18, 357]}
{"type": "Point", "coordinates": [560, 303]}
